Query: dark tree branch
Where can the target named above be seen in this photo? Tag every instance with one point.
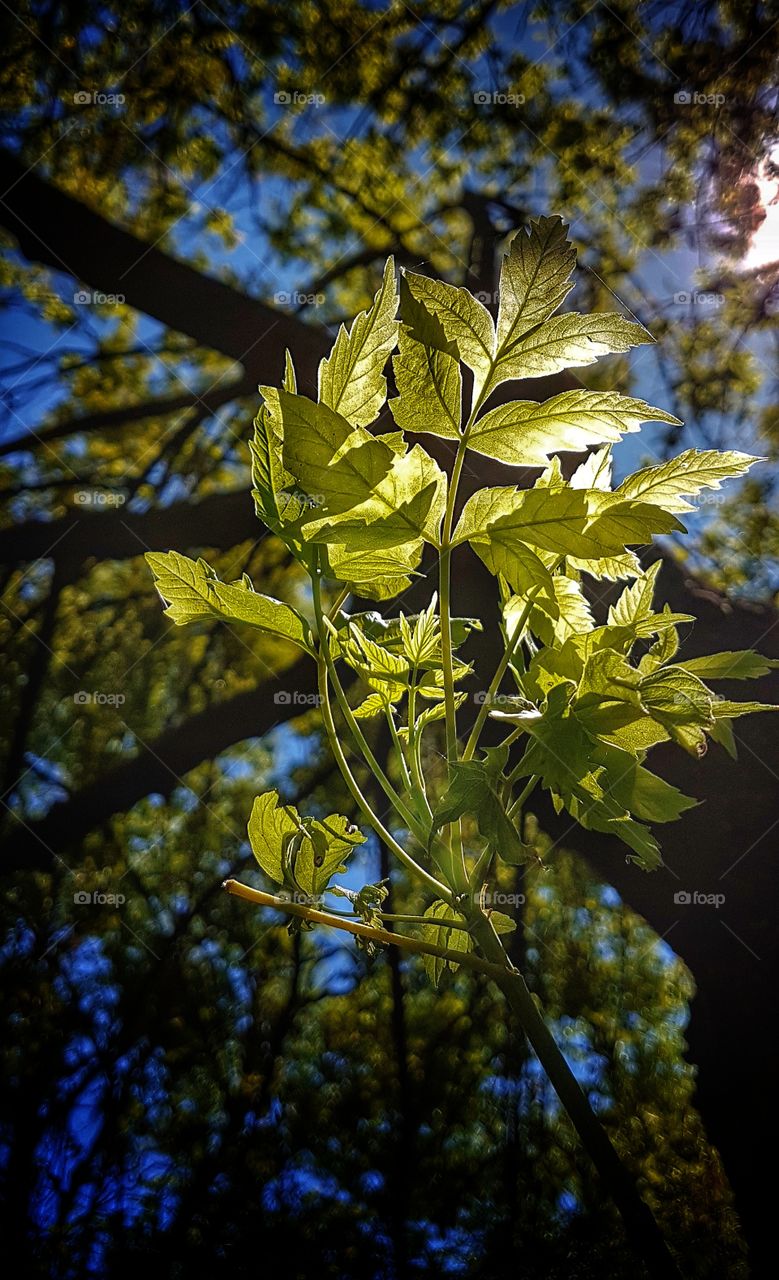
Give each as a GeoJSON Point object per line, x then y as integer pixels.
{"type": "Point", "coordinates": [113, 419]}
{"type": "Point", "coordinates": [158, 768]}
{"type": "Point", "coordinates": [62, 233]}
{"type": "Point", "coordinates": [37, 671]}
{"type": "Point", "coordinates": [220, 520]}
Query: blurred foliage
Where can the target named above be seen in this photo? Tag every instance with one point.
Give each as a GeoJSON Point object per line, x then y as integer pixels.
{"type": "Point", "coordinates": [187, 1086]}
{"type": "Point", "coordinates": [196, 1089]}
{"type": "Point", "coordinates": [651, 127]}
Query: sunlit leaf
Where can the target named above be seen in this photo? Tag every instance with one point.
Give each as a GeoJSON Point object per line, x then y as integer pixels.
{"type": "Point", "coordinates": [670, 483]}
{"type": "Point", "coordinates": [429, 384]}
{"type": "Point", "coordinates": [351, 379]}
{"type": "Point", "coordinates": [192, 590]}
{"type": "Point", "coordinates": [524, 433]}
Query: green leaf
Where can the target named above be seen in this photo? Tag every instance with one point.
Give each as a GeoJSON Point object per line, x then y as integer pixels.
{"type": "Point", "coordinates": [569, 615]}
{"type": "Point", "coordinates": [440, 936]}
{"type": "Point", "coordinates": [724, 709]}
{"type": "Point", "coordinates": [422, 640]}
{"type": "Point", "coordinates": [602, 786]}
{"type": "Point", "coordinates": [373, 705]}
{"type": "Point", "coordinates": [614, 568]}
{"type": "Point", "coordinates": [437, 712]}
{"type": "Point", "coordinates": [629, 523]}
{"type": "Point", "coordinates": [657, 623]}
{"type": "Point", "coordinates": [406, 504]}
{"type": "Point", "coordinates": [599, 812]}
{"type": "Point", "coordinates": [375, 573]}
{"type": "Point", "coordinates": [474, 788]}
{"type": "Point", "coordinates": [429, 385]}
{"type": "Point", "coordinates": [387, 631]}
{"type": "Point", "coordinates": [681, 703]}
{"type": "Point", "coordinates": [524, 433]}
{"type": "Point", "coordinates": [566, 521]}
{"type": "Point", "coordinates": [289, 381]}
{"type": "Point", "coordinates": [566, 342]}
{"type": "Point", "coordinates": [665, 647]}
{"type": "Point", "coordinates": [351, 379]}
{"type": "Point", "coordinates": [383, 671]}
{"type": "Point", "coordinates": [271, 827]}
{"type": "Point", "coordinates": [738, 664]}
{"type": "Point", "coordinates": [522, 568]}
{"type": "Point", "coordinates": [323, 852]}
{"type": "Point", "coordinates": [299, 853]}
{"type": "Point", "coordinates": [667, 483]}
{"type": "Point", "coordinates": [337, 464]}
{"type": "Point", "coordinates": [431, 683]}
{"type": "Point", "coordinates": [466, 323]}
{"type": "Point", "coordinates": [595, 471]}
{"type": "Point", "coordinates": [534, 279]}
{"type": "Point", "coordinates": [636, 789]}
{"type": "Point", "coordinates": [421, 324]}
{"type": "Point", "coordinates": [192, 590]}
{"type": "Point", "coordinates": [607, 698]}
{"type": "Point", "coordinates": [277, 500]}
{"type": "Point", "coordinates": [501, 923]}
{"type": "Point", "coordinates": [635, 603]}
{"type": "Point", "coordinates": [722, 732]}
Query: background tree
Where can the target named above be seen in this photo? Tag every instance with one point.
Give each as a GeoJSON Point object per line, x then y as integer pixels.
{"type": "Point", "coordinates": [217, 214]}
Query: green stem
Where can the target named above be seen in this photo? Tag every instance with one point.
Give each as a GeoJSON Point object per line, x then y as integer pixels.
{"type": "Point", "coordinates": [407, 861]}
{"type": "Point", "coordinates": [442, 921]}
{"type": "Point", "coordinates": [512, 645]}
{"type": "Point", "coordinates": [336, 605]}
{"type": "Point", "coordinates": [383, 937]}
{"type": "Point", "coordinates": [641, 1228]}
{"type": "Point", "coordinates": [398, 745]}
{"type": "Point", "coordinates": [502, 668]}
{"type": "Point", "coordinates": [401, 918]}
{"type": "Point", "coordinates": [414, 740]}
{"type": "Point", "coordinates": [532, 782]}
{"type": "Point", "coordinates": [409, 817]}
{"type": "Point", "coordinates": [457, 868]}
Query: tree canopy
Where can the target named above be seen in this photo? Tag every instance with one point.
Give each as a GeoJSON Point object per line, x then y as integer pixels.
{"type": "Point", "coordinates": [186, 192]}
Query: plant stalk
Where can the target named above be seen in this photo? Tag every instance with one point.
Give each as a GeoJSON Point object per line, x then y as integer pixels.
{"type": "Point", "coordinates": [640, 1226]}
{"type": "Point", "coordinates": [381, 936]}
{"type": "Point", "coordinates": [408, 816]}
{"type": "Point", "coordinates": [411, 865]}
{"type": "Point", "coordinates": [500, 671]}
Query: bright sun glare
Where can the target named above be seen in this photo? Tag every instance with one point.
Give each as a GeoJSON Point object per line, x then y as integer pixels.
{"type": "Point", "coordinates": [764, 245]}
